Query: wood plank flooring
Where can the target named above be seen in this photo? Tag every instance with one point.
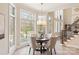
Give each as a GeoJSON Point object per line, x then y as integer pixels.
{"type": "Point", "coordinates": [60, 49]}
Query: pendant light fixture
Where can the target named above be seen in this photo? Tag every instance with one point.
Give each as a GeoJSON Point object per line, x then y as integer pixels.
{"type": "Point", "coordinates": [41, 20]}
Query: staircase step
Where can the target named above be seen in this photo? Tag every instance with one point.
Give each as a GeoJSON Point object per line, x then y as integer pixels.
{"type": "Point", "coordinates": [74, 42]}
{"type": "Point", "coordinates": [65, 42]}
{"type": "Point", "coordinates": [73, 46]}
{"type": "Point", "coordinates": [68, 40]}
{"type": "Point", "coordinates": [71, 38]}
{"type": "Point", "coordinates": [75, 35]}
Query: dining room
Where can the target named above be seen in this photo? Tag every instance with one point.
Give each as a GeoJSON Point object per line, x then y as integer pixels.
{"type": "Point", "coordinates": [41, 29]}
{"type": "Point", "coordinates": [51, 29]}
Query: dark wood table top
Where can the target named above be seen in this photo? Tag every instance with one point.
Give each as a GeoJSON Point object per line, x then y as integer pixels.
{"type": "Point", "coordinates": [42, 40]}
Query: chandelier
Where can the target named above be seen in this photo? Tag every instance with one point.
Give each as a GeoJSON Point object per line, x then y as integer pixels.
{"type": "Point", "coordinates": [41, 20]}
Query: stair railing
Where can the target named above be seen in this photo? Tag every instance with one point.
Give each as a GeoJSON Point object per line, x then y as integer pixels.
{"type": "Point", "coordinates": [68, 31]}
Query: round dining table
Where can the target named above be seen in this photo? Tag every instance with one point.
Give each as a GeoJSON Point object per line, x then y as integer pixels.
{"type": "Point", "coordinates": [41, 41]}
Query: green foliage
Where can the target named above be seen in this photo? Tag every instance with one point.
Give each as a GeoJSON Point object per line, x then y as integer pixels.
{"type": "Point", "coordinates": [26, 29]}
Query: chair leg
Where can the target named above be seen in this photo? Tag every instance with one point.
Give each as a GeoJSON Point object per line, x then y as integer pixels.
{"type": "Point", "coordinates": [51, 51]}
{"type": "Point", "coordinates": [33, 52]}
{"type": "Point", "coordinates": [48, 51]}
{"type": "Point", "coordinates": [54, 50]}
{"type": "Point", "coordinates": [29, 50]}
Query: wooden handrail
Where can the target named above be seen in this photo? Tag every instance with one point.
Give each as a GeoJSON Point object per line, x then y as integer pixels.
{"type": "Point", "coordinates": [68, 28]}
{"type": "Point", "coordinates": [75, 22]}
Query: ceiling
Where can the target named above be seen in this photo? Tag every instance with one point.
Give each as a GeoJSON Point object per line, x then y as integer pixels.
{"type": "Point", "coordinates": [48, 7]}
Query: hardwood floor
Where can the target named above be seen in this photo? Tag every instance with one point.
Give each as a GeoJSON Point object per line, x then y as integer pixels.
{"type": "Point", "coordinates": [74, 42]}
{"type": "Point", "coordinates": [60, 50]}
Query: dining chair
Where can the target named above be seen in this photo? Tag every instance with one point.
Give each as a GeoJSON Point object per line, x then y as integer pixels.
{"type": "Point", "coordinates": [51, 44]}
{"type": "Point", "coordinates": [34, 45]}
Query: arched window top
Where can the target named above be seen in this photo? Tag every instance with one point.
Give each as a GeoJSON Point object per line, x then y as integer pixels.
{"type": "Point", "coordinates": [25, 14]}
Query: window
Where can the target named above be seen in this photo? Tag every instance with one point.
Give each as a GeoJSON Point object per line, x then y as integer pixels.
{"type": "Point", "coordinates": [56, 14]}
{"type": "Point", "coordinates": [61, 14]}
{"type": "Point", "coordinates": [42, 24]}
{"type": "Point", "coordinates": [55, 26]}
{"type": "Point", "coordinates": [11, 25]}
{"type": "Point", "coordinates": [49, 24]}
{"type": "Point", "coordinates": [58, 26]}
{"type": "Point", "coordinates": [58, 20]}
{"type": "Point", "coordinates": [11, 9]}
{"type": "Point", "coordinates": [26, 25]}
{"type": "Point", "coordinates": [12, 31]}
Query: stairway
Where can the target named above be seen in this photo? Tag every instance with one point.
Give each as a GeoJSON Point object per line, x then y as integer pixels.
{"type": "Point", "coordinates": [70, 35]}
{"type": "Point", "coordinates": [75, 22]}
{"type": "Point", "coordinates": [72, 42]}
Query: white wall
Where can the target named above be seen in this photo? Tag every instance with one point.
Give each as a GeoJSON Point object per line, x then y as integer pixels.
{"type": "Point", "coordinates": [4, 42]}
{"type": "Point", "coordinates": [68, 16]}
{"type": "Point", "coordinates": [51, 14]}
